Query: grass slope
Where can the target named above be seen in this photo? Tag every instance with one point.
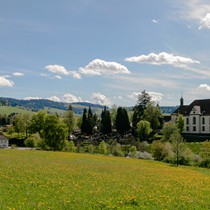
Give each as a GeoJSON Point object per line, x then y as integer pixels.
{"type": "Point", "coordinates": [9, 109]}
{"type": "Point", "coordinates": [58, 180]}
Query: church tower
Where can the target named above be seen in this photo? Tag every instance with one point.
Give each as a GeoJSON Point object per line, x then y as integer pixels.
{"type": "Point", "coordinates": [181, 101]}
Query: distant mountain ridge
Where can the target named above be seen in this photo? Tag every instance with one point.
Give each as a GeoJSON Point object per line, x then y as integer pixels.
{"type": "Point", "coordinates": [38, 104]}
{"type": "Point", "coordinates": [78, 107]}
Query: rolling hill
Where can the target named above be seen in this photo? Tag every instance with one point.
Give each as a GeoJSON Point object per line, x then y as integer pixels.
{"type": "Point", "coordinates": [58, 107]}
{"type": "Point", "coordinates": [51, 106]}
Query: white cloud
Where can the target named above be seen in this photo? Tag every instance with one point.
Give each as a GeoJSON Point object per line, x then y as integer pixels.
{"type": "Point", "coordinates": [75, 74]}
{"type": "Point", "coordinates": [163, 58]}
{"type": "Point", "coordinates": [101, 67]}
{"type": "Point", "coordinates": [54, 98]}
{"type": "Point", "coordinates": [101, 99]}
{"type": "Point", "coordinates": [205, 22]}
{"type": "Point", "coordinates": [196, 10]}
{"type": "Point", "coordinates": [155, 21]}
{"type": "Point", "coordinates": [155, 96]}
{"type": "Point", "coordinates": [61, 70]}
{"type": "Point", "coordinates": [32, 98]}
{"type": "Point", "coordinates": [6, 76]}
{"type": "Point", "coordinates": [56, 69]}
{"type": "Point", "coordinates": [4, 82]}
{"type": "Point", "coordinates": [203, 87]}
{"type": "Point", "coordinates": [18, 74]}
{"type": "Point", "coordinates": [58, 77]}
{"type": "Point", "coordinates": [69, 98]}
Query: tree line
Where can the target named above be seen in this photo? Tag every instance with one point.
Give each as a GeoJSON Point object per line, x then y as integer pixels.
{"type": "Point", "coordinates": [114, 131]}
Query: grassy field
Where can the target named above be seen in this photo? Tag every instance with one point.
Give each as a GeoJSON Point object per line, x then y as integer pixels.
{"type": "Point", "coordinates": [58, 180]}
{"type": "Point", "coordinates": [9, 109]}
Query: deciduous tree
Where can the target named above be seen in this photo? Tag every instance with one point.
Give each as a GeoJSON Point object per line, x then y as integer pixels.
{"type": "Point", "coordinates": [143, 129]}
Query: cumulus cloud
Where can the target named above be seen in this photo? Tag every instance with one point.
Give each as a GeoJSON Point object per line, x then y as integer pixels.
{"type": "Point", "coordinates": [155, 96]}
{"type": "Point", "coordinates": [163, 58]}
{"type": "Point", "coordinates": [101, 67]}
{"type": "Point", "coordinates": [56, 69]}
{"type": "Point", "coordinates": [32, 98]}
{"type": "Point", "coordinates": [205, 22]}
{"type": "Point", "coordinates": [75, 74]}
{"type": "Point", "coordinates": [54, 98]}
{"type": "Point", "coordinates": [69, 98]}
{"type": "Point", "coordinates": [196, 10]}
{"type": "Point", "coordinates": [4, 82]}
{"type": "Point", "coordinates": [203, 87]}
{"type": "Point", "coordinates": [61, 70]}
{"type": "Point", "coordinates": [101, 99]}
{"type": "Point", "coordinates": [18, 74]}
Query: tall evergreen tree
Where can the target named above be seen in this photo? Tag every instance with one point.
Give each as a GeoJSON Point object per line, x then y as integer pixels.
{"type": "Point", "coordinates": [90, 122]}
{"type": "Point", "coordinates": [87, 122]}
{"type": "Point", "coordinates": [84, 121]}
{"type": "Point", "coordinates": [122, 121]}
{"type": "Point", "coordinates": [106, 124]}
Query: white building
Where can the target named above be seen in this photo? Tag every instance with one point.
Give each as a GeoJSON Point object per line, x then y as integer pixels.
{"type": "Point", "coordinates": [196, 116]}
{"type": "Point", "coordinates": [4, 142]}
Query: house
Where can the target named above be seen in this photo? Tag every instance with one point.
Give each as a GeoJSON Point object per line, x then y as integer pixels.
{"type": "Point", "coordinates": [4, 141]}
{"type": "Point", "coordinates": [196, 116]}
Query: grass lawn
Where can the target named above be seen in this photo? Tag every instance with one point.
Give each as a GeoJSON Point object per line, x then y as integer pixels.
{"type": "Point", "coordinates": [59, 180]}
{"type": "Point", "coordinates": [9, 109]}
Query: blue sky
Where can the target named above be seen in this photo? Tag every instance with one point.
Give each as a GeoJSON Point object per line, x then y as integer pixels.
{"type": "Point", "coordinates": [105, 52]}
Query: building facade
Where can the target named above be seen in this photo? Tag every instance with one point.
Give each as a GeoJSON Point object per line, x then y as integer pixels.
{"type": "Point", "coordinates": [196, 116]}
{"type": "Point", "coordinates": [4, 142]}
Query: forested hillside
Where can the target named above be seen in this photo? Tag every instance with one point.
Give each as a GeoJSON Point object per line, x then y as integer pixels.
{"type": "Point", "coordinates": [39, 104]}
{"type": "Point", "coordinates": [78, 107]}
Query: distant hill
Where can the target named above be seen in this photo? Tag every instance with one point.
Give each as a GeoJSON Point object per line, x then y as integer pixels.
{"type": "Point", "coordinates": [168, 109]}
{"type": "Point", "coordinates": [59, 107]}
{"type": "Point", "coordinates": [38, 104]}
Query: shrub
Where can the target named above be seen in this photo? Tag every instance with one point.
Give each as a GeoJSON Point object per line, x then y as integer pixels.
{"type": "Point", "coordinates": [71, 146]}
{"type": "Point", "coordinates": [33, 141]}
{"type": "Point", "coordinates": [158, 150]}
{"type": "Point", "coordinates": [143, 146]}
{"type": "Point", "coordinates": [205, 162]}
{"type": "Point", "coordinates": [30, 142]}
{"type": "Point", "coordinates": [13, 146]}
{"type": "Point", "coordinates": [132, 151]}
{"type": "Point", "coordinates": [116, 149]}
{"type": "Point", "coordinates": [102, 148]}
{"type": "Point", "coordinates": [144, 155]}
{"type": "Point", "coordinates": [91, 149]}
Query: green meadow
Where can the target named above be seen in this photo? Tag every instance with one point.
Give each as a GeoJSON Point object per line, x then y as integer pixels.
{"type": "Point", "coordinates": [9, 109]}
{"type": "Point", "coordinates": [59, 180]}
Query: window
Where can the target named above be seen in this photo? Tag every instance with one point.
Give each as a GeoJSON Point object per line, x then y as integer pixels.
{"type": "Point", "coordinates": [194, 120]}
{"type": "Point", "coordinates": [187, 121]}
{"type": "Point", "coordinates": [203, 120]}
{"type": "Point", "coordinates": [203, 128]}
{"type": "Point", "coordinates": [194, 128]}
{"type": "Point", "coordinates": [187, 128]}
